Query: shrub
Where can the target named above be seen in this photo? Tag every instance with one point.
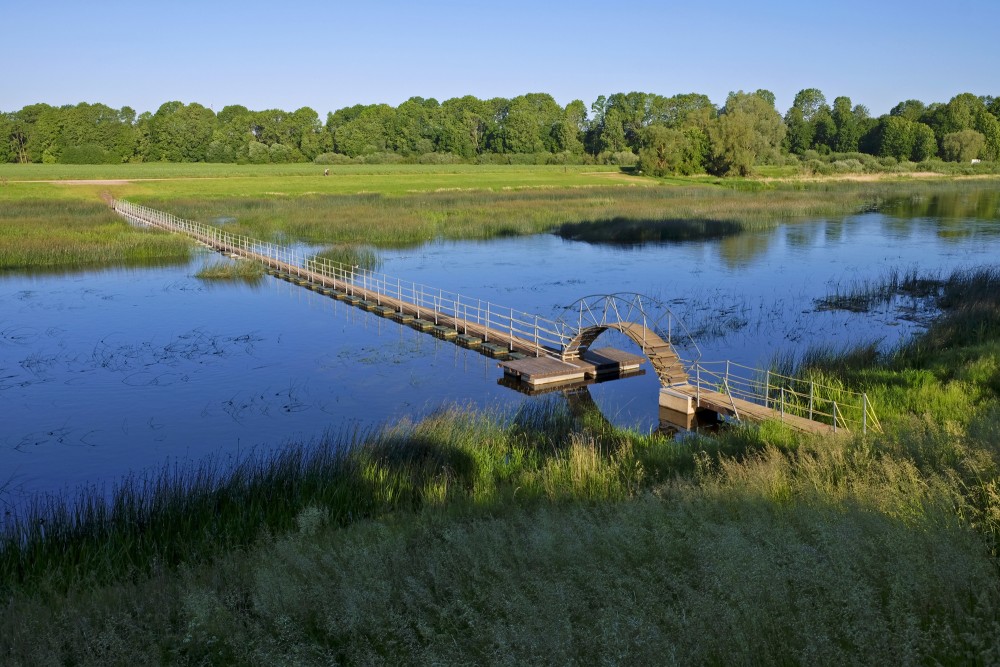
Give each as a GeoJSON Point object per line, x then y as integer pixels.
{"type": "Point", "coordinates": [332, 158]}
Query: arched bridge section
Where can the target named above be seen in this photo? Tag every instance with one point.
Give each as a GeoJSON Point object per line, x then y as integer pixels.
{"type": "Point", "coordinates": [647, 322]}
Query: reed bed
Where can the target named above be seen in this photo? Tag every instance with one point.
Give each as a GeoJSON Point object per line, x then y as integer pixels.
{"type": "Point", "coordinates": [864, 295]}
{"type": "Point", "coordinates": [364, 257]}
{"type": "Point", "coordinates": [58, 234]}
{"type": "Point", "coordinates": [618, 214]}
{"type": "Point", "coordinates": [397, 221]}
{"type": "Point", "coordinates": [241, 269]}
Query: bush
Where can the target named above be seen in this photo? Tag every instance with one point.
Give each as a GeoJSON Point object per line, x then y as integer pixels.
{"type": "Point", "coordinates": [440, 158]}
{"type": "Point", "coordinates": [380, 158]}
{"type": "Point", "coordinates": [620, 158]}
{"type": "Point", "coordinates": [88, 154]}
{"type": "Point", "coordinates": [332, 158]}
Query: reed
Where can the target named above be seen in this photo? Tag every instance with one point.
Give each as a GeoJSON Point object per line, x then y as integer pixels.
{"type": "Point", "coordinates": [433, 542]}
{"type": "Point", "coordinates": [242, 270]}
{"type": "Point", "coordinates": [59, 234]}
{"type": "Point", "coordinates": [864, 295]}
{"type": "Point", "coordinates": [359, 256]}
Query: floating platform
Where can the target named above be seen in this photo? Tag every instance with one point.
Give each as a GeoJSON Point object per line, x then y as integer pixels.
{"type": "Point", "coordinates": [444, 332]}
{"type": "Point", "coordinates": [604, 363]}
{"type": "Point", "coordinates": [610, 361]}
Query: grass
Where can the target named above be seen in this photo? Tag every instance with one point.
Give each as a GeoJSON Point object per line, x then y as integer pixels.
{"type": "Point", "coordinates": [243, 270]}
{"type": "Point", "coordinates": [49, 235]}
{"type": "Point", "coordinates": [360, 256]}
{"type": "Point", "coordinates": [862, 296]}
{"type": "Point", "coordinates": [405, 205]}
{"type": "Point", "coordinates": [515, 539]}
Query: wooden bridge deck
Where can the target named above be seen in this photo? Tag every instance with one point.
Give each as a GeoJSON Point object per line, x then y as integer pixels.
{"type": "Point", "coordinates": [742, 409]}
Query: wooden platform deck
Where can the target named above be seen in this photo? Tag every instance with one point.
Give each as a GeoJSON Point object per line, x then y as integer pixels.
{"type": "Point", "coordinates": [746, 410]}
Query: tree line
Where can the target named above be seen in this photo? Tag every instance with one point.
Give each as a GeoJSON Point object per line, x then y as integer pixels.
{"type": "Point", "coordinates": [681, 134]}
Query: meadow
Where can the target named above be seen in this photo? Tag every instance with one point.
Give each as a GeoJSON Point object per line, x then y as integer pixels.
{"type": "Point", "coordinates": [538, 535]}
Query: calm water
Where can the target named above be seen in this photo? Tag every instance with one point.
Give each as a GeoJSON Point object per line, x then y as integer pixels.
{"type": "Point", "coordinates": [106, 372]}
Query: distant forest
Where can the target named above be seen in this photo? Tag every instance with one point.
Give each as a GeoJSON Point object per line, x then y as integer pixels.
{"type": "Point", "coordinates": [682, 134]}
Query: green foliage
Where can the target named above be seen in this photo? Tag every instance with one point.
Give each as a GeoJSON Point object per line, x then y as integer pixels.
{"type": "Point", "coordinates": [962, 146]}
{"type": "Point", "coordinates": [667, 151]}
{"type": "Point", "coordinates": [62, 234]}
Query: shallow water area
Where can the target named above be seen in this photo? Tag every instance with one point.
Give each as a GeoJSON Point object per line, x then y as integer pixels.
{"type": "Point", "coordinates": [108, 372]}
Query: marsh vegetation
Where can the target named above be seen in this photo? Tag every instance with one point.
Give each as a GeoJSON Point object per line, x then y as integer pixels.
{"type": "Point", "coordinates": [539, 532]}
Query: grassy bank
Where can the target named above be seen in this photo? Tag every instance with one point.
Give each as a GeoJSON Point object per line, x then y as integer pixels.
{"type": "Point", "coordinates": [543, 536]}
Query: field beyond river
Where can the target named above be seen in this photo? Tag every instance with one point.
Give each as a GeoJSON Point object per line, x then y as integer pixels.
{"type": "Point", "coordinates": [202, 465]}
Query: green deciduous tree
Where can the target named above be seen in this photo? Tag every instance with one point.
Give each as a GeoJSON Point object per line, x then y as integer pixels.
{"type": "Point", "coordinates": [670, 151]}
{"type": "Point", "coordinates": [925, 144]}
{"type": "Point", "coordinates": [181, 132]}
{"type": "Point", "coordinates": [848, 126]}
{"type": "Point", "coordinates": [962, 146]}
{"type": "Point", "coordinates": [748, 131]}
{"type": "Point", "coordinates": [911, 110]}
{"type": "Point", "coordinates": [366, 133]}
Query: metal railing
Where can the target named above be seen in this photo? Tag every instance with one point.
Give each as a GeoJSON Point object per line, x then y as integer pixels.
{"type": "Point", "coordinates": [498, 324]}
{"type": "Point", "coordinates": [840, 408]}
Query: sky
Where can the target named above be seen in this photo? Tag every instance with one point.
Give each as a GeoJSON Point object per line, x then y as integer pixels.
{"type": "Point", "coordinates": [332, 54]}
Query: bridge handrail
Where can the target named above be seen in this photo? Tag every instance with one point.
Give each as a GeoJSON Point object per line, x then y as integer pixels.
{"type": "Point", "coordinates": [549, 334]}
{"type": "Point", "coordinates": [841, 408]}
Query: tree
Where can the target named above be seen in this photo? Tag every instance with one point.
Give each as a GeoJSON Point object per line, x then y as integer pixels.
{"type": "Point", "coordinates": [809, 101]}
{"type": "Point", "coordinates": [799, 135]}
{"type": "Point", "coordinates": [924, 143]}
{"type": "Point", "coordinates": [416, 127]}
{"type": "Point", "coordinates": [466, 122]}
{"type": "Point", "coordinates": [570, 131]}
{"type": "Point", "coordinates": [366, 133]}
{"type": "Point", "coordinates": [894, 137]}
{"type": "Point", "coordinates": [911, 110]}
{"type": "Point", "coordinates": [766, 132]}
{"type": "Point", "coordinates": [181, 133]}
{"type": "Point", "coordinates": [767, 96]}
{"type": "Point", "coordinates": [669, 151]}
{"type": "Point", "coordinates": [848, 127]}
{"type": "Point", "coordinates": [962, 146]}
{"type": "Point", "coordinates": [732, 141]}
{"type": "Point", "coordinates": [7, 153]}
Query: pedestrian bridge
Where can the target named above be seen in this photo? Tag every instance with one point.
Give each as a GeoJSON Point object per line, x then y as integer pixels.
{"type": "Point", "coordinates": [545, 353]}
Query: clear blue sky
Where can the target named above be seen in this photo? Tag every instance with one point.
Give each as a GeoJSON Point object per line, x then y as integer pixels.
{"type": "Point", "coordinates": [332, 54]}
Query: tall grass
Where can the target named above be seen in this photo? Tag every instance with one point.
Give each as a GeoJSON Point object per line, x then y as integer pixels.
{"type": "Point", "coordinates": [864, 295]}
{"type": "Point", "coordinates": [361, 256]}
{"type": "Point", "coordinates": [243, 270]}
{"type": "Point", "coordinates": [526, 539]}
{"type": "Point", "coordinates": [62, 234]}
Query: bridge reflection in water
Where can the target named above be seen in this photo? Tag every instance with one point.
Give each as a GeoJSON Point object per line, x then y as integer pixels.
{"type": "Point", "coordinates": [538, 353]}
